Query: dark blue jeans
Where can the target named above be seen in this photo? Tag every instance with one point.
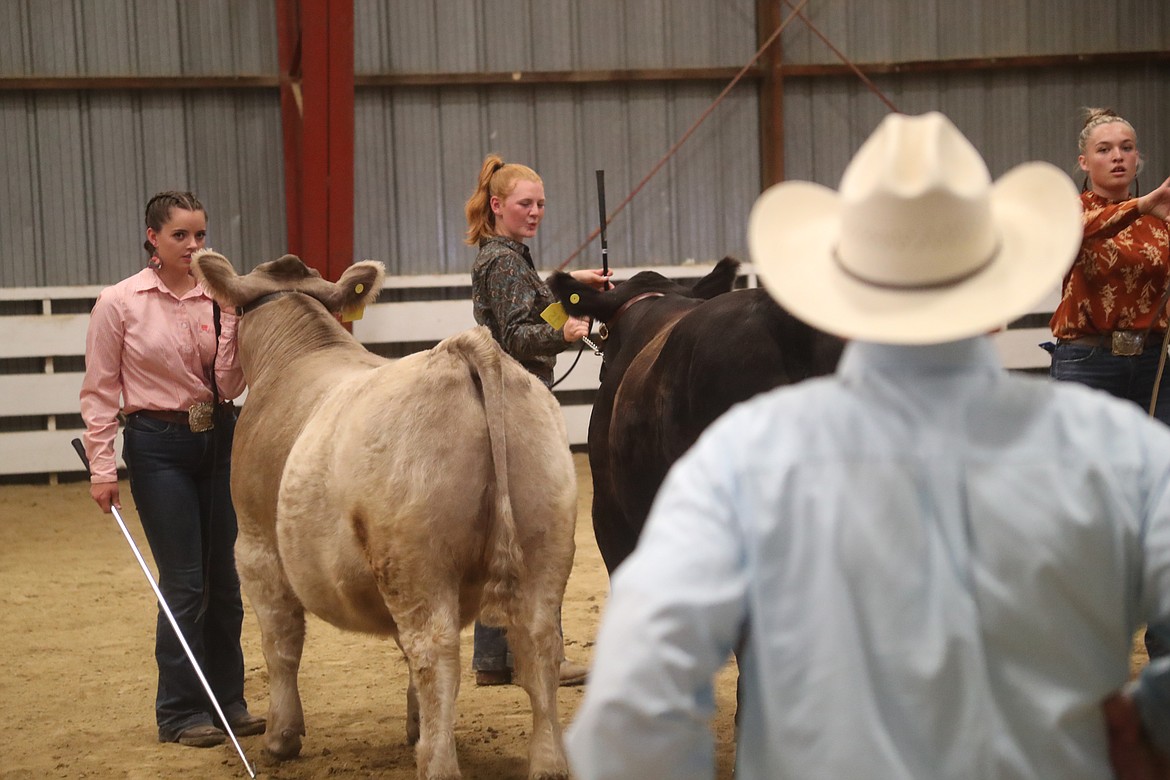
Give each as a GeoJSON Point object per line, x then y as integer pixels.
{"type": "Point", "coordinates": [1127, 377]}
{"type": "Point", "coordinates": [1130, 378]}
{"type": "Point", "coordinates": [180, 484]}
{"type": "Point", "coordinates": [490, 651]}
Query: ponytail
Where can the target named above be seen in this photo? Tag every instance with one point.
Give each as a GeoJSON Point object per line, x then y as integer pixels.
{"type": "Point", "coordinates": [481, 222]}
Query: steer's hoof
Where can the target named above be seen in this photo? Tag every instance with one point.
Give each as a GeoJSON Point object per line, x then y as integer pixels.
{"type": "Point", "coordinates": [284, 746]}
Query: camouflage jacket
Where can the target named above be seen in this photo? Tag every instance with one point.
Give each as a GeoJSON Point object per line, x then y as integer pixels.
{"type": "Point", "coordinates": [507, 295]}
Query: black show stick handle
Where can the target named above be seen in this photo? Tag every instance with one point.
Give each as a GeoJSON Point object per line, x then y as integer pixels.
{"type": "Point", "coordinates": [77, 445]}
{"type": "Point", "coordinates": [601, 219]}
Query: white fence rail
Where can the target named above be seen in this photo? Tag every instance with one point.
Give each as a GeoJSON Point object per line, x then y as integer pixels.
{"type": "Point", "coordinates": [46, 395]}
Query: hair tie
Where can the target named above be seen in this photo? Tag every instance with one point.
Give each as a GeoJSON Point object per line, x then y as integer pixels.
{"type": "Point", "coordinates": [497, 166]}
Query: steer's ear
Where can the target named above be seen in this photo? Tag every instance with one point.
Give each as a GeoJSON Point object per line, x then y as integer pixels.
{"type": "Point", "coordinates": [358, 286]}
{"type": "Point", "coordinates": [562, 284]}
{"type": "Point", "coordinates": [218, 278]}
{"type": "Point", "coordinates": [578, 298]}
{"type": "Point", "coordinates": [718, 281]}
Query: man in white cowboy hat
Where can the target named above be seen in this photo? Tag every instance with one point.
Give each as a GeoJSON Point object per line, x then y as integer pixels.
{"type": "Point", "coordinates": [926, 566]}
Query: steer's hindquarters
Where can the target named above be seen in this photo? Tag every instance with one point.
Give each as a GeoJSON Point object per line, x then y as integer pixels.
{"type": "Point", "coordinates": [531, 461]}
{"type": "Point", "coordinates": [392, 495]}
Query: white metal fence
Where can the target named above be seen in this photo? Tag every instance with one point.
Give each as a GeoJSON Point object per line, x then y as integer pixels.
{"type": "Point", "coordinates": [44, 400]}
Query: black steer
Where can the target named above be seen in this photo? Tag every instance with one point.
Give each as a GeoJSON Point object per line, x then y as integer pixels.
{"type": "Point", "coordinates": [675, 358]}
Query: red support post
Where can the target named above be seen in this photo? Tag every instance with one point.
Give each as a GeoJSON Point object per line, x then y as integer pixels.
{"type": "Point", "coordinates": [316, 62]}
{"type": "Point", "coordinates": [341, 137]}
{"type": "Point", "coordinates": [771, 93]}
{"type": "Point", "coordinates": [288, 37]}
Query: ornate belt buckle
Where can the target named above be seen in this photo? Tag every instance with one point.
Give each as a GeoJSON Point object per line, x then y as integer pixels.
{"type": "Point", "coordinates": [201, 416]}
{"type": "Point", "coordinates": [1128, 342]}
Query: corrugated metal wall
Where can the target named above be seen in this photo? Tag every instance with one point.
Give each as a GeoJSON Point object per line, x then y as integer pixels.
{"type": "Point", "coordinates": [418, 154]}
{"type": "Point", "coordinates": [419, 150]}
{"type": "Point", "coordinates": [1011, 115]}
{"type": "Point", "coordinates": [77, 165]}
{"type": "Point", "coordinates": [76, 169]}
{"type": "Point", "coordinates": [910, 30]}
{"type": "Point", "coordinates": [136, 37]}
{"type": "Point", "coordinates": [470, 36]}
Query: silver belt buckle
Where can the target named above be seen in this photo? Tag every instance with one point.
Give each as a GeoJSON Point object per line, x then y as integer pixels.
{"type": "Point", "coordinates": [201, 416]}
{"type": "Point", "coordinates": [1128, 342]}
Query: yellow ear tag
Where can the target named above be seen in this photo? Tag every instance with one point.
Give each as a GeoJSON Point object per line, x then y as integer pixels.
{"type": "Point", "coordinates": [555, 315]}
{"type": "Point", "coordinates": [574, 298]}
{"type": "Point", "coordinates": [356, 313]}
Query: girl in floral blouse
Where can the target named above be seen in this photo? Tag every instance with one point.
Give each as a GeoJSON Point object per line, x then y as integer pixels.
{"type": "Point", "coordinates": [1112, 318]}
{"type": "Point", "coordinates": [1112, 315]}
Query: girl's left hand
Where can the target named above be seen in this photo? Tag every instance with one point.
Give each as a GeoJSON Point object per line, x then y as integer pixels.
{"type": "Point", "coordinates": [576, 328]}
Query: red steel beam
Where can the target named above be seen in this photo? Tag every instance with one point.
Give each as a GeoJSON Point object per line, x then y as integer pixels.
{"type": "Point", "coordinates": [341, 135]}
{"type": "Point", "coordinates": [316, 58]}
{"type": "Point", "coordinates": [771, 96]}
{"type": "Point", "coordinates": [288, 37]}
{"type": "Point", "coordinates": [1129, 60]}
{"type": "Point", "coordinates": [314, 160]}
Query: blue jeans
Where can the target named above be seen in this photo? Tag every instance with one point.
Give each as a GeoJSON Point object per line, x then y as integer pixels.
{"type": "Point", "coordinates": [1128, 377]}
{"type": "Point", "coordinates": [180, 484]}
{"type": "Point", "coordinates": [490, 651]}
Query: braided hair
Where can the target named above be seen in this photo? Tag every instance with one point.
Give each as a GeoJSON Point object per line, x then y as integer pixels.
{"type": "Point", "coordinates": [158, 211]}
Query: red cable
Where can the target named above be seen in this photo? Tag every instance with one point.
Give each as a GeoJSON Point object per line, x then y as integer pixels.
{"type": "Point", "coordinates": [759, 53]}
{"type": "Point", "coordinates": [864, 79]}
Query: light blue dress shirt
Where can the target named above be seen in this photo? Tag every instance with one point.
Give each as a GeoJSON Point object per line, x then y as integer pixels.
{"type": "Point", "coordinates": [935, 568]}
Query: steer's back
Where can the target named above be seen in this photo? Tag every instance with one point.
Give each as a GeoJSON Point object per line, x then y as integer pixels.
{"type": "Point", "coordinates": [270, 422]}
{"type": "Point", "coordinates": [393, 474]}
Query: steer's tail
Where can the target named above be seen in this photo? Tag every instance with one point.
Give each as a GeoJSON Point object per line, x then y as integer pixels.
{"type": "Point", "coordinates": [505, 559]}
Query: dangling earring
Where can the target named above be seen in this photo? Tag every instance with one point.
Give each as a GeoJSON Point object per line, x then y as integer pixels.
{"type": "Point", "coordinates": [1085, 184]}
{"type": "Point", "coordinates": [155, 263]}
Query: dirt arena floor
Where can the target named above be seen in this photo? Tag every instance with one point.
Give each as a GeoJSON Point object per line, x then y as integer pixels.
{"type": "Point", "coordinates": [77, 634]}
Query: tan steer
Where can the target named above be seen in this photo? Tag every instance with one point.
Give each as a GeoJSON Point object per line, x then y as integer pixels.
{"type": "Point", "coordinates": [399, 498]}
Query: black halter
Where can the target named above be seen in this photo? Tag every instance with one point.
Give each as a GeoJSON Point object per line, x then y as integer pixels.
{"type": "Point", "coordinates": [605, 326]}
{"type": "Point", "coordinates": [268, 298]}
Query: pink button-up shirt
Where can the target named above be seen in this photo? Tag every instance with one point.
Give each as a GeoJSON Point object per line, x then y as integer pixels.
{"type": "Point", "coordinates": [149, 349]}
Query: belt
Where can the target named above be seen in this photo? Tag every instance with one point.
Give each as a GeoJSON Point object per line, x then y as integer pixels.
{"type": "Point", "coordinates": [175, 418]}
{"type": "Point", "coordinates": [1154, 338]}
{"type": "Point", "coordinates": [200, 414]}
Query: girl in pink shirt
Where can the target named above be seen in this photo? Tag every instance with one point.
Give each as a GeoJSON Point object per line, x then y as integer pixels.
{"type": "Point", "coordinates": [160, 357]}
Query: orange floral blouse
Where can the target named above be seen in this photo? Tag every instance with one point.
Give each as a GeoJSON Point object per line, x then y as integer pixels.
{"type": "Point", "coordinates": [1120, 274]}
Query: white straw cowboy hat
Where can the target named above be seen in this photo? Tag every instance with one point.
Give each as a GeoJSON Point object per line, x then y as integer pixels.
{"type": "Point", "coordinates": [918, 247]}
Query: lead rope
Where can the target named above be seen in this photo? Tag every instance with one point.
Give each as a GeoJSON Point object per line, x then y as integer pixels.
{"type": "Point", "coordinates": [1165, 346]}
{"type": "Point", "coordinates": [1158, 376]}
{"type": "Point", "coordinates": [205, 524]}
{"type": "Point", "coordinates": [570, 369]}
{"type": "Point", "coordinates": [702, 117]}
